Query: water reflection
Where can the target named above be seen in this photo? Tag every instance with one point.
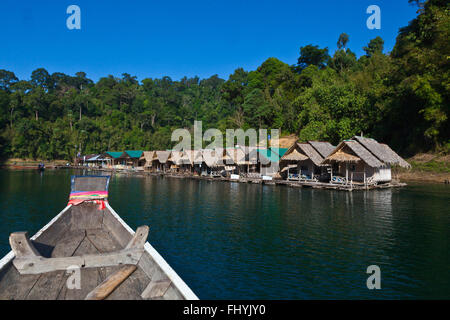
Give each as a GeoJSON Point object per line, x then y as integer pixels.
{"type": "Point", "coordinates": [245, 241]}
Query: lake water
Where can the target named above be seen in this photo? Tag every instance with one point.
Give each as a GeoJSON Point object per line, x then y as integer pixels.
{"type": "Point", "coordinates": [246, 241]}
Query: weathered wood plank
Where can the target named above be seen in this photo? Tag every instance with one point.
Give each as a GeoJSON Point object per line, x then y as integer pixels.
{"type": "Point", "coordinates": [69, 243]}
{"type": "Point", "coordinates": [32, 264]}
{"type": "Point", "coordinates": [111, 283]}
{"type": "Point", "coordinates": [13, 285]}
{"type": "Point", "coordinates": [51, 236]}
{"type": "Point", "coordinates": [131, 288]}
{"type": "Point", "coordinates": [103, 241]}
{"type": "Point", "coordinates": [172, 294]}
{"type": "Point", "coordinates": [21, 245]}
{"type": "Point", "coordinates": [47, 287]}
{"type": "Point", "coordinates": [139, 238]}
{"type": "Point", "coordinates": [86, 216]}
{"type": "Point", "coordinates": [37, 265]}
{"type": "Point", "coordinates": [156, 289]}
{"type": "Point", "coordinates": [89, 277]}
{"type": "Point", "coordinates": [147, 264]}
{"type": "Point", "coordinates": [116, 229]}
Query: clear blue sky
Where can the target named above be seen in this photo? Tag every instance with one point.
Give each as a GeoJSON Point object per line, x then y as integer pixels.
{"type": "Point", "coordinates": [176, 38]}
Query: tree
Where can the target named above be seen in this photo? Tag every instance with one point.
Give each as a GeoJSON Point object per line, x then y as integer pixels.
{"type": "Point", "coordinates": [41, 78]}
{"type": "Point", "coordinates": [343, 58]}
{"type": "Point", "coordinates": [312, 55]}
{"type": "Point", "coordinates": [7, 79]}
{"type": "Point", "coordinates": [321, 98]}
{"type": "Point", "coordinates": [342, 41]}
{"type": "Point", "coordinates": [375, 46]}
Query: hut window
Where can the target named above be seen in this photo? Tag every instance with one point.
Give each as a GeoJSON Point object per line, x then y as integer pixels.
{"type": "Point", "coordinates": [353, 167]}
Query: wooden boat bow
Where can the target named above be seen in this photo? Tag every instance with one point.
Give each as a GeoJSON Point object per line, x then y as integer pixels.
{"type": "Point", "coordinates": [28, 260]}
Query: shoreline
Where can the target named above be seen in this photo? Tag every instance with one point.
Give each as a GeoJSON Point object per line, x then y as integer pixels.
{"type": "Point", "coordinates": [413, 175]}
{"type": "Point", "coordinates": [293, 184]}
{"type": "Point", "coordinates": [424, 177]}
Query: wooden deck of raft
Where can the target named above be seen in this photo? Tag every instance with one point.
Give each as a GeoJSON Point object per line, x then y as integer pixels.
{"type": "Point", "coordinates": [83, 230]}
{"type": "Point", "coordinates": [294, 184]}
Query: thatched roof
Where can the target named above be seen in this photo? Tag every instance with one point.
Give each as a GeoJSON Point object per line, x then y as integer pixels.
{"type": "Point", "coordinates": [194, 156]}
{"type": "Point", "coordinates": [382, 151]}
{"type": "Point", "coordinates": [400, 161]}
{"type": "Point", "coordinates": [342, 156]}
{"type": "Point", "coordinates": [294, 155]}
{"type": "Point", "coordinates": [322, 147]}
{"type": "Point", "coordinates": [364, 154]}
{"type": "Point", "coordinates": [227, 159]}
{"type": "Point", "coordinates": [175, 157]}
{"type": "Point", "coordinates": [163, 156]}
{"type": "Point", "coordinates": [237, 155]}
{"type": "Point", "coordinates": [148, 157]}
{"type": "Point", "coordinates": [212, 157]}
{"type": "Point", "coordinates": [251, 155]}
{"type": "Point", "coordinates": [311, 153]}
{"type": "Point", "coordinates": [349, 151]}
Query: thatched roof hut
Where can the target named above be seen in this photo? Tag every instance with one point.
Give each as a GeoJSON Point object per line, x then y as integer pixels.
{"type": "Point", "coordinates": [364, 160]}
{"type": "Point", "coordinates": [148, 157]}
{"type": "Point", "coordinates": [324, 148]}
{"type": "Point", "coordinates": [342, 156]}
{"type": "Point", "coordinates": [352, 151]}
{"type": "Point", "coordinates": [311, 153]}
{"type": "Point", "coordinates": [194, 156]}
{"type": "Point", "coordinates": [382, 151]}
{"type": "Point", "coordinates": [175, 157]}
{"type": "Point", "coordinates": [310, 150]}
{"type": "Point", "coordinates": [162, 156]}
{"type": "Point", "coordinates": [294, 155]}
{"type": "Point", "coordinates": [236, 155]}
{"type": "Point", "coordinates": [212, 157]}
{"type": "Point", "coordinates": [373, 153]}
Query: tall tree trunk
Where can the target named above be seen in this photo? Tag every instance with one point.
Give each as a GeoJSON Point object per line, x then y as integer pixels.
{"type": "Point", "coordinates": [80, 112]}
{"type": "Point", "coordinates": [36, 115]}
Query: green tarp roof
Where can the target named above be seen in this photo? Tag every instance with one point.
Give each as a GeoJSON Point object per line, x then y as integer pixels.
{"type": "Point", "coordinates": [280, 151]}
{"type": "Point", "coordinates": [272, 154]}
{"type": "Point", "coordinates": [114, 154]}
{"type": "Point", "coordinates": [134, 153]}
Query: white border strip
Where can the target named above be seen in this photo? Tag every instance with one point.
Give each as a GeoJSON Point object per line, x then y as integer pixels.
{"type": "Point", "coordinates": [171, 274]}
{"type": "Point", "coordinates": [10, 255]}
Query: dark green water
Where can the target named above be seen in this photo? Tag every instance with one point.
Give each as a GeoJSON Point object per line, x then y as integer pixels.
{"type": "Point", "coordinates": [241, 241]}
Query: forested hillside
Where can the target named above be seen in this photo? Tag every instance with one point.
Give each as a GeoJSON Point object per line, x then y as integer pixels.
{"type": "Point", "coordinates": [400, 98]}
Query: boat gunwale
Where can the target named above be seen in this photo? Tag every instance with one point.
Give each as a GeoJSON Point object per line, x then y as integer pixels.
{"type": "Point", "coordinates": [10, 255]}
{"type": "Point", "coordinates": [182, 287]}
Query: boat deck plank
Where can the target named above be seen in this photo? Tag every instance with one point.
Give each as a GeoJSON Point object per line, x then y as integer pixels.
{"type": "Point", "coordinates": [48, 286]}
{"type": "Point", "coordinates": [131, 288]}
{"type": "Point", "coordinates": [90, 277]}
{"type": "Point", "coordinates": [102, 240]}
{"type": "Point", "coordinates": [69, 243]}
{"type": "Point", "coordinates": [14, 286]}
